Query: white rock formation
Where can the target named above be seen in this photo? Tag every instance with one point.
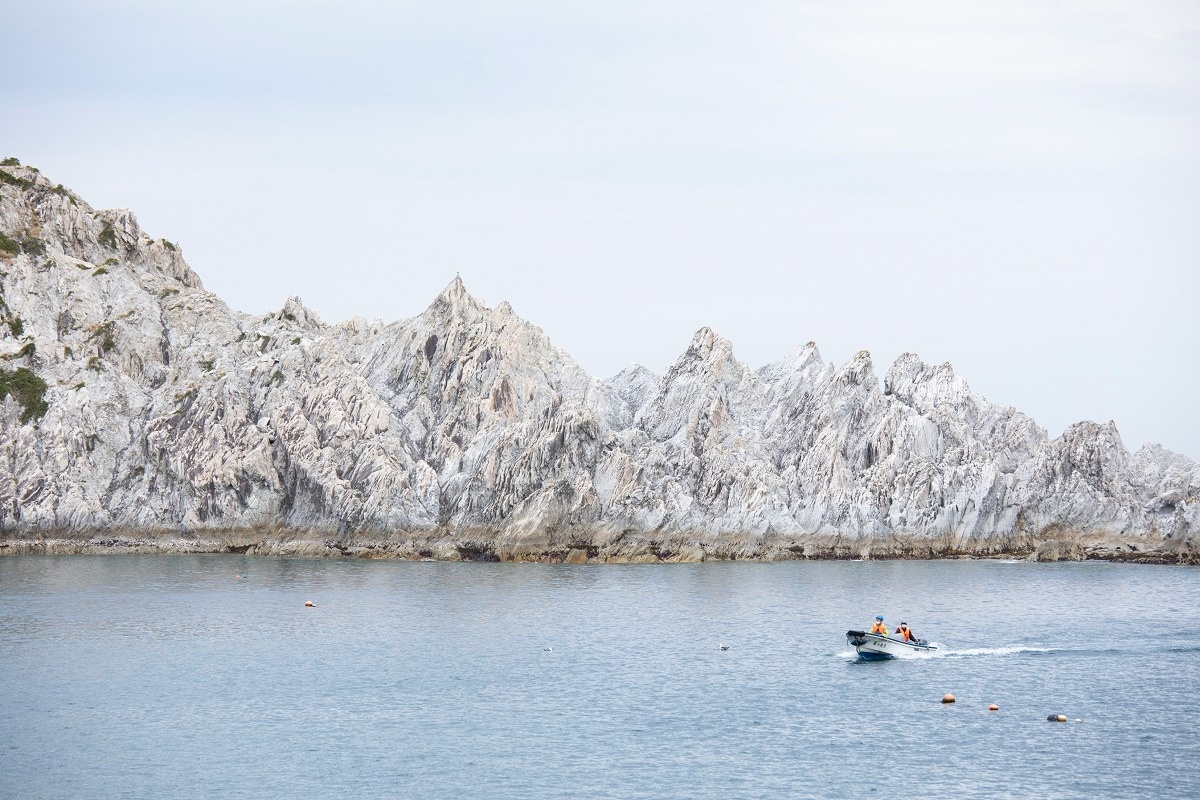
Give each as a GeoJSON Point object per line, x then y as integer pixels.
{"type": "Point", "coordinates": [172, 421]}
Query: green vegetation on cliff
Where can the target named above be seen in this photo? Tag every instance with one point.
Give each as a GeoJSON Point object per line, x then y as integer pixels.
{"type": "Point", "coordinates": [27, 389]}
{"type": "Point", "coordinates": [108, 236]}
{"type": "Point", "coordinates": [13, 180]}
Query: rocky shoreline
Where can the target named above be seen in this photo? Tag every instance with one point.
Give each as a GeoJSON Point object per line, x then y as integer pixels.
{"type": "Point", "coordinates": [592, 547]}
{"type": "Point", "coordinates": [138, 412]}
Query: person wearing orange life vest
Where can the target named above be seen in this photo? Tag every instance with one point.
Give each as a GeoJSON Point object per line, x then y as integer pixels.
{"type": "Point", "coordinates": [879, 627]}
{"type": "Point", "coordinates": [906, 634]}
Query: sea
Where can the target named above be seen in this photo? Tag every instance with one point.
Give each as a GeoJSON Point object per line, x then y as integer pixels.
{"type": "Point", "coordinates": [207, 676]}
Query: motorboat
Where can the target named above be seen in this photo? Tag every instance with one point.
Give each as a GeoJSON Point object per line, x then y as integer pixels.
{"type": "Point", "coordinates": [876, 647]}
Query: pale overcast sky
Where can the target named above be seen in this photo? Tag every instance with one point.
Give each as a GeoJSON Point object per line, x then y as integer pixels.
{"type": "Point", "coordinates": [1013, 186]}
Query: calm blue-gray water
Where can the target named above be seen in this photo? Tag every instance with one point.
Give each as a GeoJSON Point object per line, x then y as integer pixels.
{"type": "Point", "coordinates": [170, 677]}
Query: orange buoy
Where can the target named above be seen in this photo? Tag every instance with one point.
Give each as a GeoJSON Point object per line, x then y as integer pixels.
{"type": "Point", "coordinates": [309, 604]}
{"type": "Point", "coordinates": [948, 698]}
{"type": "Point", "coordinates": [993, 707]}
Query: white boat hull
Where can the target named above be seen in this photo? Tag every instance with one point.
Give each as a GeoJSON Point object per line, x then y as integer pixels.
{"type": "Point", "coordinates": [874, 647]}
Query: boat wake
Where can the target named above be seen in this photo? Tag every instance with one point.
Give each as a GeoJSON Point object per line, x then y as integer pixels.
{"type": "Point", "coordinates": [995, 651]}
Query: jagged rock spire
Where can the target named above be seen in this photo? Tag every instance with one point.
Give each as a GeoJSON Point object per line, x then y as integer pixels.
{"type": "Point", "coordinates": [455, 295]}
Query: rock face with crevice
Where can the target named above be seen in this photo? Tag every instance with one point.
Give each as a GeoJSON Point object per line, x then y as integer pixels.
{"type": "Point", "coordinates": [171, 422]}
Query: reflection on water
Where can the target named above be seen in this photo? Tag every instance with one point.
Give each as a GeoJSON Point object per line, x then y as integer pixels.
{"type": "Point", "coordinates": [170, 676]}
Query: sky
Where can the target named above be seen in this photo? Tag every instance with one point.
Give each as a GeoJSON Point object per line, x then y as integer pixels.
{"type": "Point", "coordinates": [1013, 187]}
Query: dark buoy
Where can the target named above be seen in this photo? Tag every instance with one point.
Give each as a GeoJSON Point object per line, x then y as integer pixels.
{"type": "Point", "coordinates": [1056, 718]}
{"type": "Point", "coordinates": [948, 698]}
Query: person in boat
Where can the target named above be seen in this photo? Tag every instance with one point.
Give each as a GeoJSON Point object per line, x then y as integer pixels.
{"type": "Point", "coordinates": [906, 635]}
{"type": "Point", "coordinates": [879, 627]}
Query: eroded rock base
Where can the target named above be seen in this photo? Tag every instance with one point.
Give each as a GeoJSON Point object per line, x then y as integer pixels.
{"type": "Point", "coordinates": [592, 547]}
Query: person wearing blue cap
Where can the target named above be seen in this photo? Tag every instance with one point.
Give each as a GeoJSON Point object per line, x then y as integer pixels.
{"type": "Point", "coordinates": [879, 627]}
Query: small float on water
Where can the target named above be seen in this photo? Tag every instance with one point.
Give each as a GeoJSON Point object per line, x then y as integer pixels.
{"type": "Point", "coordinates": [877, 647]}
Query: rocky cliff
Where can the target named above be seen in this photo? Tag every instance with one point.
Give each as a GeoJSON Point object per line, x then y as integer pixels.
{"type": "Point", "coordinates": [142, 413]}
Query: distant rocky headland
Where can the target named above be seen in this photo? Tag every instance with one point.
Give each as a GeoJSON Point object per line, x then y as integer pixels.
{"type": "Point", "coordinates": [142, 414]}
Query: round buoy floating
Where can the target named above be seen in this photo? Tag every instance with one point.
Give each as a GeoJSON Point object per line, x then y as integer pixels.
{"type": "Point", "coordinates": [948, 698]}
{"type": "Point", "coordinates": [309, 604]}
{"type": "Point", "coordinates": [1056, 718]}
{"type": "Point", "coordinates": [993, 707]}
